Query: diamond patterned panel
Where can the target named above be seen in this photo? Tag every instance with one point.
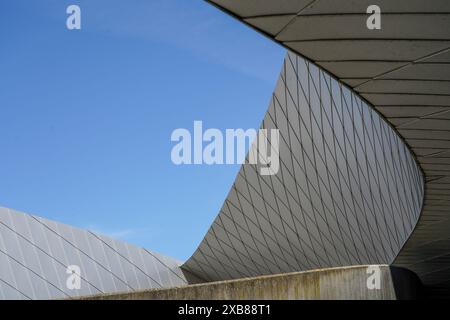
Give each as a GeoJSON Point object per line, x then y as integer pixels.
{"type": "Point", "coordinates": [35, 253]}
{"type": "Point", "coordinates": [348, 190]}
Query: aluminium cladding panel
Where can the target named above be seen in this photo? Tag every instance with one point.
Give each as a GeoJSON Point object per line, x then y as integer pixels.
{"type": "Point", "coordinates": [402, 70]}
{"type": "Point", "coordinates": [35, 254]}
{"type": "Point", "coordinates": [348, 191]}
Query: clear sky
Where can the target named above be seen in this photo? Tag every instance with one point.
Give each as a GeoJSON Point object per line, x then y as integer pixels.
{"type": "Point", "coordinates": [86, 115]}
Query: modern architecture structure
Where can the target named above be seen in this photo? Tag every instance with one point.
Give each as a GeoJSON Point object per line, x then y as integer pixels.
{"type": "Point", "coordinates": [364, 178]}
{"type": "Point", "coordinates": [36, 256]}
{"type": "Point", "coordinates": [348, 191]}
{"type": "Point", "coordinates": [402, 71]}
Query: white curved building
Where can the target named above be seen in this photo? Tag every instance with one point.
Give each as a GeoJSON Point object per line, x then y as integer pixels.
{"type": "Point", "coordinates": [348, 191]}
{"type": "Point", "coordinates": [401, 71]}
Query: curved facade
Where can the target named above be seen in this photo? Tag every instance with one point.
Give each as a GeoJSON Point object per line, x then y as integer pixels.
{"type": "Point", "coordinates": [348, 191]}
{"type": "Point", "coordinates": [401, 70]}
{"type": "Point", "coordinates": [35, 254]}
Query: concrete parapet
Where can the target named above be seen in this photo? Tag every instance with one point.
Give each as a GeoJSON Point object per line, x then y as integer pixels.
{"type": "Point", "coordinates": [355, 282]}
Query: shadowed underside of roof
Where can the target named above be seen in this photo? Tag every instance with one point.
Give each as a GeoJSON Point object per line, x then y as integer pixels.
{"type": "Point", "coordinates": [402, 70]}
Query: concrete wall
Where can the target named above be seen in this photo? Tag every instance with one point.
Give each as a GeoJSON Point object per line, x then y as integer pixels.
{"type": "Point", "coordinates": [334, 283]}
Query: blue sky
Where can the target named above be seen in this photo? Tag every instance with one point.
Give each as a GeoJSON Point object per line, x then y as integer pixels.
{"type": "Point", "coordinates": [86, 115]}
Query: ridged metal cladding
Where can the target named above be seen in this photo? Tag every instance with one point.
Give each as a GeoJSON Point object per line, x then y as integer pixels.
{"type": "Point", "coordinates": [35, 254]}
{"type": "Point", "coordinates": [348, 191]}
{"type": "Point", "coordinates": [402, 70]}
